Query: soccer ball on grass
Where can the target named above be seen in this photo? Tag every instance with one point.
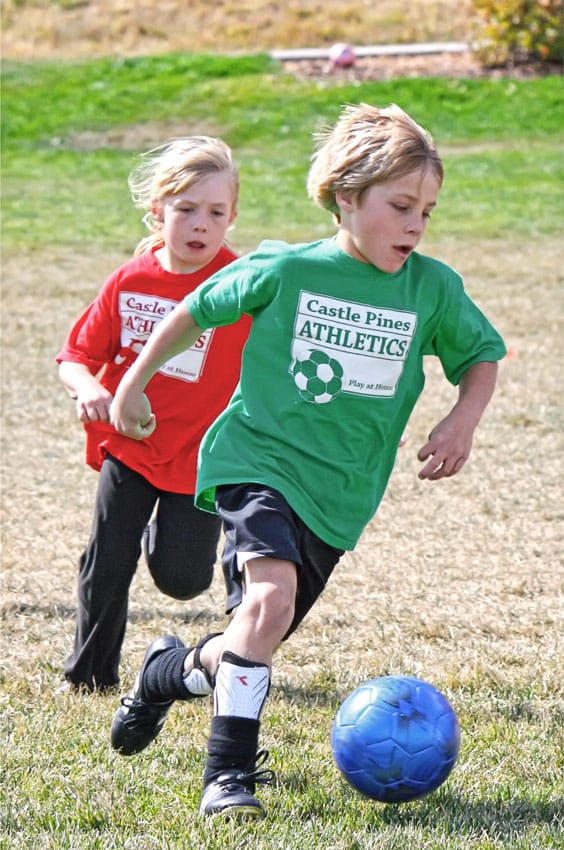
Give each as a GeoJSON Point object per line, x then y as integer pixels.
{"type": "Point", "coordinates": [395, 738]}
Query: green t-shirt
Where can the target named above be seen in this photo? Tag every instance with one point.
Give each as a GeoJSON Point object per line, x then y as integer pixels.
{"type": "Point", "coordinates": [331, 372]}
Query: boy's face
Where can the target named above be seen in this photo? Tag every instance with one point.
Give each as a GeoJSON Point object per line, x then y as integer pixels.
{"type": "Point", "coordinates": [195, 222]}
{"type": "Point", "coordinates": [387, 223]}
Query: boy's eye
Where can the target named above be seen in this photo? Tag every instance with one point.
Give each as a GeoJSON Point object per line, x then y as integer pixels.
{"type": "Point", "coordinates": [400, 207]}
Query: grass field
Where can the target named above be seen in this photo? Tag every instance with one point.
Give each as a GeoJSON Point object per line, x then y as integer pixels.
{"type": "Point", "coordinates": [458, 582]}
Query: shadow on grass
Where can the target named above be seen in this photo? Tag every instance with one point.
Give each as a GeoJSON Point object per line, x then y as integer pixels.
{"type": "Point", "coordinates": [68, 612]}
{"type": "Point", "coordinates": [319, 691]}
{"type": "Point", "coordinates": [203, 616]}
{"type": "Point", "coordinates": [47, 612]}
{"type": "Point", "coordinates": [503, 818]}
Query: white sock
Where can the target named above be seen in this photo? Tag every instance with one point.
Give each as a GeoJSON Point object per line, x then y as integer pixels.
{"type": "Point", "coordinates": [240, 691]}
{"type": "Point", "coordinates": [196, 682]}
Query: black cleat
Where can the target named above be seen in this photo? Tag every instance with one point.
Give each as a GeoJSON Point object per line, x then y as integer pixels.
{"type": "Point", "coordinates": [137, 722]}
{"type": "Point", "coordinates": [231, 794]}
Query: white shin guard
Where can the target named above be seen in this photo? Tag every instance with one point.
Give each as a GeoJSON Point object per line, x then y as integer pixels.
{"type": "Point", "coordinates": [241, 690]}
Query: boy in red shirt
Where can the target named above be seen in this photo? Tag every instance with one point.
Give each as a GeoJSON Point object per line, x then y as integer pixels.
{"type": "Point", "coordinates": [189, 190]}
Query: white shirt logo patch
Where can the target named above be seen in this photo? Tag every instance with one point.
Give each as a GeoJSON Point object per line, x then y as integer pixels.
{"type": "Point", "coordinates": [355, 348]}
{"type": "Point", "coordinates": [140, 315]}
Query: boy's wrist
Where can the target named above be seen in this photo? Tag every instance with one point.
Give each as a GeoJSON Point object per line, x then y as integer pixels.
{"type": "Point", "coordinates": [469, 411]}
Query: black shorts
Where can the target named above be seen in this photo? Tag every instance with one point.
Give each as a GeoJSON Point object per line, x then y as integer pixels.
{"type": "Point", "coordinates": [258, 519]}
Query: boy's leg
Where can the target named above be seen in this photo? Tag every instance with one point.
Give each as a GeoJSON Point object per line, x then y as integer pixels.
{"type": "Point", "coordinates": [260, 524]}
{"type": "Point", "coordinates": [171, 671]}
{"type": "Point", "coordinates": [165, 676]}
{"type": "Point", "coordinates": [181, 548]}
{"type": "Point", "coordinates": [242, 683]}
{"type": "Point", "coordinates": [124, 501]}
{"type": "Point", "coordinates": [262, 555]}
{"type": "Point", "coordinates": [293, 541]}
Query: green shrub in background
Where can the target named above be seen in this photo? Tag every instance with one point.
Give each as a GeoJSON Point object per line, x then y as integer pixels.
{"type": "Point", "coordinates": [517, 31]}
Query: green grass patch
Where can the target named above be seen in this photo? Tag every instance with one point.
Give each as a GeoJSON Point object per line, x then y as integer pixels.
{"type": "Point", "coordinates": [71, 131]}
{"type": "Point", "coordinates": [250, 94]}
{"type": "Point", "coordinates": [77, 794]}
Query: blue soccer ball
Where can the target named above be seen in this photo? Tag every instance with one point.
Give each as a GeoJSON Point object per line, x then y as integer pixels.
{"type": "Point", "coordinates": [395, 738]}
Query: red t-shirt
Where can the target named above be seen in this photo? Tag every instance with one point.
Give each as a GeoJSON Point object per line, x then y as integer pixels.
{"type": "Point", "coordinates": [186, 394]}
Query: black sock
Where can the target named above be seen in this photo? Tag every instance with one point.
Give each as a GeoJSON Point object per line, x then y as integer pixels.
{"type": "Point", "coordinates": [163, 677]}
{"type": "Point", "coordinates": [233, 743]}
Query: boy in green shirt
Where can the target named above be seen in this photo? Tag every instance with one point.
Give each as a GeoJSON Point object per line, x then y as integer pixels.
{"type": "Point", "coordinates": [298, 462]}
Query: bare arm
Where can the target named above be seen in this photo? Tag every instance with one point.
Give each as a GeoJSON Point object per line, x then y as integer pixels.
{"type": "Point", "coordinates": [131, 412]}
{"type": "Point", "coordinates": [92, 399]}
{"type": "Point", "coordinates": [450, 442]}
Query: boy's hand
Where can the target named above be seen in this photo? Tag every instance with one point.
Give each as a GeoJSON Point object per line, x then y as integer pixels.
{"type": "Point", "coordinates": [447, 448]}
{"type": "Point", "coordinates": [131, 414]}
{"type": "Point", "coordinates": [93, 402]}
{"type": "Point", "coordinates": [450, 442]}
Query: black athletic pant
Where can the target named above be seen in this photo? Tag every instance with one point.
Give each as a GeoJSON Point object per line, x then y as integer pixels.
{"type": "Point", "coordinates": [181, 564]}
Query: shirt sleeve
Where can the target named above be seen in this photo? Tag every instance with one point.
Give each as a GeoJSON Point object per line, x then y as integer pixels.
{"type": "Point", "coordinates": [464, 336]}
{"type": "Point", "coordinates": [92, 339]}
{"type": "Point", "coordinates": [245, 286]}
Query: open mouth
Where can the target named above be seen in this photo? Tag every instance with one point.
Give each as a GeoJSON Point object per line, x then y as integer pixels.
{"type": "Point", "coordinates": [196, 246]}
{"type": "Point", "coordinates": [404, 250]}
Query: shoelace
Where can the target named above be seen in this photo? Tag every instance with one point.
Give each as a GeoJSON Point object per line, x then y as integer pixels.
{"type": "Point", "coordinates": [142, 710]}
{"type": "Point", "coordinates": [251, 777]}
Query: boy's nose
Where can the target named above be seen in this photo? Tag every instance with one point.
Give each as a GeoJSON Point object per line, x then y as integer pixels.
{"type": "Point", "coordinates": [416, 224]}
{"type": "Point", "coordinates": [200, 222]}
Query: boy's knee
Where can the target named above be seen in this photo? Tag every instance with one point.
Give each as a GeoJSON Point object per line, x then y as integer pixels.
{"type": "Point", "coordinates": [183, 587]}
{"type": "Point", "coordinates": [272, 606]}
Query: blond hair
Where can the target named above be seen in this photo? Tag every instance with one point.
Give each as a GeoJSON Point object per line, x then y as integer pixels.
{"type": "Point", "coordinates": [367, 145]}
{"type": "Point", "coordinates": [172, 168]}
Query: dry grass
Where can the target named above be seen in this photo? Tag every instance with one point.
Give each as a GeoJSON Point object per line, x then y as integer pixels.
{"type": "Point", "coordinates": [454, 581]}
{"type": "Point", "coordinates": [41, 28]}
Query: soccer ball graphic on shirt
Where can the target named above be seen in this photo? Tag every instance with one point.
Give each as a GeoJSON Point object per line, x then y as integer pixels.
{"type": "Point", "coordinates": [318, 376]}
{"type": "Point", "coordinates": [395, 738]}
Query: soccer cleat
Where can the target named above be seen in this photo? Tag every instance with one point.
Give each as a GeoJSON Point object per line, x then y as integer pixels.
{"type": "Point", "coordinates": [231, 794]}
{"type": "Point", "coordinates": [137, 722]}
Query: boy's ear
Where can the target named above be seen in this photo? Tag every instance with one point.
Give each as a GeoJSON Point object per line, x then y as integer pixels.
{"type": "Point", "coordinates": [157, 210]}
{"type": "Point", "coordinates": [345, 202]}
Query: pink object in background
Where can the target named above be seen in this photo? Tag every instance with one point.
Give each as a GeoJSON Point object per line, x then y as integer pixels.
{"type": "Point", "coordinates": [342, 56]}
